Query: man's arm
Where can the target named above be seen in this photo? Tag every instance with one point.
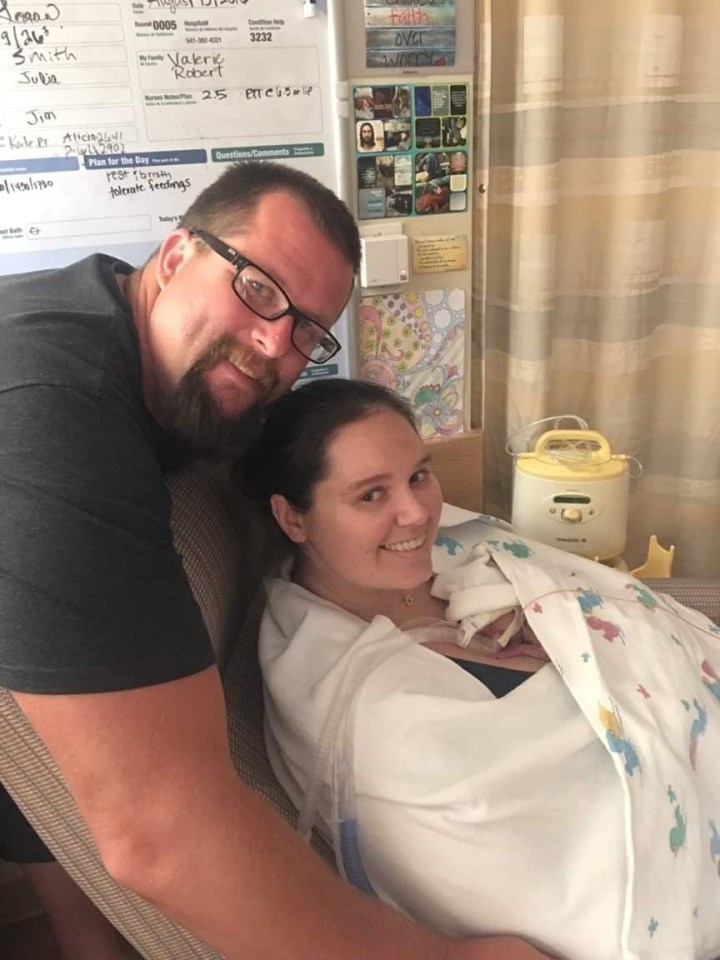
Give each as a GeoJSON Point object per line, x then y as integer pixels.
{"type": "Point", "coordinates": [152, 775]}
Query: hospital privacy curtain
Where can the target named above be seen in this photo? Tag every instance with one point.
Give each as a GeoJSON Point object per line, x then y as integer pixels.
{"type": "Point", "coordinates": [597, 271]}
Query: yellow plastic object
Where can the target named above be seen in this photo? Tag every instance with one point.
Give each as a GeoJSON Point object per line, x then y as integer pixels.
{"type": "Point", "coordinates": [572, 455]}
{"type": "Point", "coordinates": [571, 492]}
{"type": "Point", "coordinates": [659, 561]}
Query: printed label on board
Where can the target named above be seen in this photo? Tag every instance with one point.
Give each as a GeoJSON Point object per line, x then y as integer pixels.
{"type": "Point", "coordinates": [435, 254]}
{"type": "Point", "coordinates": [284, 151]}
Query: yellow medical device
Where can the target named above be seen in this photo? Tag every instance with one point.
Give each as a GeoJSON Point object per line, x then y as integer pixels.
{"type": "Point", "coordinates": [572, 492]}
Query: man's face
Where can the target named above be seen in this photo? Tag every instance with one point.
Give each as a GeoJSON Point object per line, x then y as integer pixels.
{"type": "Point", "coordinates": [366, 134]}
{"type": "Point", "coordinates": [209, 363]}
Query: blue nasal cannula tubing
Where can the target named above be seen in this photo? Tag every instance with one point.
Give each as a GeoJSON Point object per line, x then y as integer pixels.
{"type": "Point", "coordinates": [335, 754]}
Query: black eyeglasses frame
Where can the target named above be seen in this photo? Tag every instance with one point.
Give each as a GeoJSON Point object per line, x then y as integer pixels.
{"type": "Point", "coordinates": [240, 262]}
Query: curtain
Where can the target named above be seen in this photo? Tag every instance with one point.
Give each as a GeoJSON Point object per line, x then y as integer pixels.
{"type": "Point", "coordinates": [597, 247]}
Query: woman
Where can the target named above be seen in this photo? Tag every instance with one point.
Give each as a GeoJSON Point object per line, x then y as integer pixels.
{"type": "Point", "coordinates": [573, 802]}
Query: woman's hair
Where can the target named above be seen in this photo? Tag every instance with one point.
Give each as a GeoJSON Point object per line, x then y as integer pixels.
{"type": "Point", "coordinates": [290, 456]}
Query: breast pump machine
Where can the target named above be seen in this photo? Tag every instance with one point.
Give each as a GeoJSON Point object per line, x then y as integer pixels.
{"type": "Point", "coordinates": [571, 491]}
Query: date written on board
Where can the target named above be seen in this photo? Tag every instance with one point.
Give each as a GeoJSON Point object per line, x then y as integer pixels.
{"type": "Point", "coordinates": [172, 6]}
{"type": "Point", "coordinates": [23, 36]}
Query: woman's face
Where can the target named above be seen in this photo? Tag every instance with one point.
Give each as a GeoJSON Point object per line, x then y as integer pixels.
{"type": "Point", "coordinates": [373, 519]}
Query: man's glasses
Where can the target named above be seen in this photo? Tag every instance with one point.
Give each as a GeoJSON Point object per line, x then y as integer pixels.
{"type": "Point", "coordinates": [268, 300]}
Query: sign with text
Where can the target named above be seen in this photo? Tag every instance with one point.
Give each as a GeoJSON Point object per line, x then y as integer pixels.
{"type": "Point", "coordinates": [438, 254]}
{"type": "Point", "coordinates": [412, 34]}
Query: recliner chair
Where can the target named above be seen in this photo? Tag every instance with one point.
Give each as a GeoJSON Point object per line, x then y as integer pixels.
{"type": "Point", "coordinates": [215, 538]}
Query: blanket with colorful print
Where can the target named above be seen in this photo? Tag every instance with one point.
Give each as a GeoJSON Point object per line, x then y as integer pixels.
{"type": "Point", "coordinates": [582, 810]}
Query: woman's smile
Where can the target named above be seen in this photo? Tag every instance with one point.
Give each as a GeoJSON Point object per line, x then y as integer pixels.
{"type": "Point", "coordinates": [405, 546]}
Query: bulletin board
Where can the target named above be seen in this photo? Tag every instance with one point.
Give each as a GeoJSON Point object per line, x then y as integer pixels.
{"type": "Point", "coordinates": [411, 149]}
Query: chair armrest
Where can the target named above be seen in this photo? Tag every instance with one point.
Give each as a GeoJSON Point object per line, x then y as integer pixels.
{"type": "Point", "coordinates": [702, 595]}
{"type": "Point", "coordinates": [223, 541]}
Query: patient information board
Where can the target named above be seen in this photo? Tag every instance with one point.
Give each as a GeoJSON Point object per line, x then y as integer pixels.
{"type": "Point", "coordinates": [113, 115]}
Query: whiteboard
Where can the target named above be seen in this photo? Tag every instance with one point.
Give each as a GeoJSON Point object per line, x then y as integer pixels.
{"type": "Point", "coordinates": [114, 114]}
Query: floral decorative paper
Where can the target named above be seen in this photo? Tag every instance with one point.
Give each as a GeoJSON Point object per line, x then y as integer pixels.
{"type": "Point", "coordinates": [414, 343]}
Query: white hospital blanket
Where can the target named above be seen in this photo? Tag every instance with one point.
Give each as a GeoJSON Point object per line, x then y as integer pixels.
{"type": "Point", "coordinates": [581, 810]}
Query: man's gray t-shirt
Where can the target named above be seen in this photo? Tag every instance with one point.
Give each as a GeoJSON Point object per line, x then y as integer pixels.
{"type": "Point", "coordinates": [92, 593]}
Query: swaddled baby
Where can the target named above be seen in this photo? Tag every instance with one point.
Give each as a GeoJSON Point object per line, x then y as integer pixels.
{"type": "Point", "coordinates": [484, 604]}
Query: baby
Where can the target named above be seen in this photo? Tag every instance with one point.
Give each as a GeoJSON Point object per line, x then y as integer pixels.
{"type": "Point", "coordinates": [484, 604]}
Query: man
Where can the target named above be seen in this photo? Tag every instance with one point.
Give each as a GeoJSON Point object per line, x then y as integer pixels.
{"type": "Point", "coordinates": [366, 137]}
{"type": "Point", "coordinates": [108, 377]}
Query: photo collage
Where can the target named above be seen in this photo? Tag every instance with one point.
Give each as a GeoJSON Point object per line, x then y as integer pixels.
{"type": "Point", "coordinates": [411, 145]}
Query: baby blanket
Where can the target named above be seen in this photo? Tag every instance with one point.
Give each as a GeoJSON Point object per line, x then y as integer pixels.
{"type": "Point", "coordinates": [582, 810]}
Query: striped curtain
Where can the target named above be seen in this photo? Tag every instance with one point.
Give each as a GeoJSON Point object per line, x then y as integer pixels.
{"type": "Point", "coordinates": [597, 273]}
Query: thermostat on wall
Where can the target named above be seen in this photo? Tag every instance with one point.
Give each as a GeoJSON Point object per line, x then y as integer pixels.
{"type": "Point", "coordinates": [385, 260]}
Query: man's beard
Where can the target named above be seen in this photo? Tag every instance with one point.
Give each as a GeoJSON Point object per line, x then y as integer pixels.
{"type": "Point", "coordinates": [193, 417]}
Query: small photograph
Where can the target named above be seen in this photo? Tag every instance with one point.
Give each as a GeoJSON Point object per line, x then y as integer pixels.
{"type": "Point", "coordinates": [383, 98]}
{"type": "Point", "coordinates": [371, 204]}
{"type": "Point", "coordinates": [458, 99]}
{"type": "Point", "coordinates": [454, 132]}
{"type": "Point", "coordinates": [458, 202]}
{"type": "Point", "coordinates": [423, 102]}
{"type": "Point", "coordinates": [403, 170]}
{"type": "Point", "coordinates": [458, 161]}
{"type": "Point", "coordinates": [386, 172]}
{"type": "Point", "coordinates": [401, 102]}
{"type": "Point", "coordinates": [367, 172]}
{"type": "Point", "coordinates": [385, 186]}
{"type": "Point", "coordinates": [433, 198]}
{"type": "Point", "coordinates": [440, 100]}
{"type": "Point", "coordinates": [427, 133]}
{"type": "Point", "coordinates": [398, 203]}
{"type": "Point", "coordinates": [370, 136]}
{"type": "Point", "coordinates": [397, 135]}
{"type": "Point", "coordinates": [458, 182]}
{"type": "Point", "coordinates": [432, 183]}
{"type": "Point", "coordinates": [364, 103]}
{"type": "Point", "coordinates": [431, 166]}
